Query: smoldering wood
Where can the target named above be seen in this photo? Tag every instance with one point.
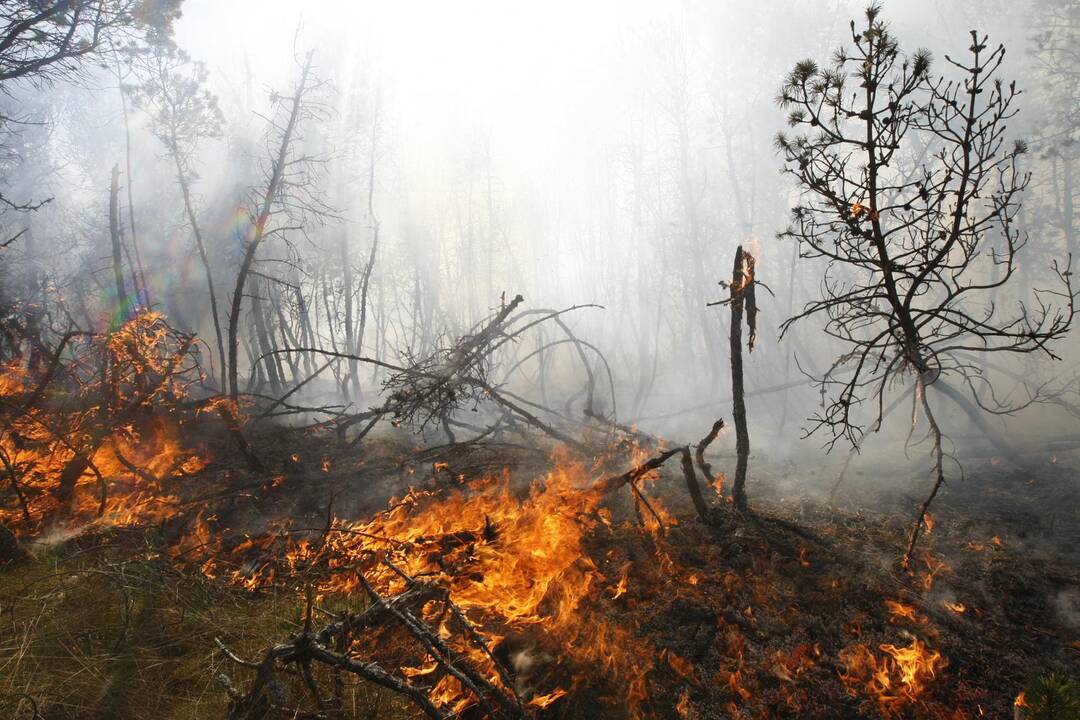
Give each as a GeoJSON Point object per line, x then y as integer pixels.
{"type": "Point", "coordinates": [702, 448]}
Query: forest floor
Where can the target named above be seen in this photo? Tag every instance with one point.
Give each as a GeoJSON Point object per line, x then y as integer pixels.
{"type": "Point", "coordinates": [800, 609]}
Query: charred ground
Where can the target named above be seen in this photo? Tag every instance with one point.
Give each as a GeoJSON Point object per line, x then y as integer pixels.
{"type": "Point", "coordinates": [756, 615]}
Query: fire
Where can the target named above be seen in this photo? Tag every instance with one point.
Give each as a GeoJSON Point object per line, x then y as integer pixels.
{"type": "Point", "coordinates": [901, 611]}
{"type": "Point", "coordinates": [894, 679]}
{"type": "Point", "coordinates": [790, 666]}
{"type": "Point", "coordinates": [113, 452]}
{"type": "Point", "coordinates": [684, 707]}
{"type": "Point", "coordinates": [620, 587]}
{"type": "Point", "coordinates": [542, 701]}
{"type": "Point", "coordinates": [513, 562]}
{"type": "Point", "coordinates": [681, 666]}
{"type": "Point", "coordinates": [1021, 700]}
{"type": "Point", "coordinates": [934, 567]}
{"type": "Point", "coordinates": [958, 608]}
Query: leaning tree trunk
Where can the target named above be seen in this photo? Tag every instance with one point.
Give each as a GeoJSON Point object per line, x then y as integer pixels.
{"type": "Point", "coordinates": [231, 414]}
{"type": "Point", "coordinates": [742, 297]}
{"type": "Point", "coordinates": [259, 233]}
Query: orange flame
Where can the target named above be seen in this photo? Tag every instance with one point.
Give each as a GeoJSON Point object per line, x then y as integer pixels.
{"type": "Point", "coordinates": [901, 611]}
{"type": "Point", "coordinates": [511, 563]}
{"type": "Point", "coordinates": [895, 679]}
{"type": "Point", "coordinates": [132, 465]}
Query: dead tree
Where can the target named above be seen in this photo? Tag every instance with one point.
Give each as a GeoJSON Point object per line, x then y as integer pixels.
{"type": "Point", "coordinates": [742, 300]}
{"type": "Point", "coordinates": [742, 294]}
{"type": "Point", "coordinates": [910, 195]}
{"type": "Point", "coordinates": [280, 166]}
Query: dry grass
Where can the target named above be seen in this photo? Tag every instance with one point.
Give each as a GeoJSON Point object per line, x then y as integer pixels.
{"type": "Point", "coordinates": [93, 633]}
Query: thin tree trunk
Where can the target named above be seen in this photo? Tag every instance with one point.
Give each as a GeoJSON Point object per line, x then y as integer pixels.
{"type": "Point", "coordinates": [262, 338]}
{"type": "Point", "coordinates": [196, 231]}
{"type": "Point", "coordinates": [138, 275]}
{"type": "Point", "coordinates": [347, 296]}
{"type": "Point", "coordinates": [365, 282]}
{"type": "Point", "coordinates": [741, 289]}
{"type": "Point", "coordinates": [307, 337]}
{"type": "Point", "coordinates": [287, 336]}
{"type": "Point", "coordinates": [120, 312]}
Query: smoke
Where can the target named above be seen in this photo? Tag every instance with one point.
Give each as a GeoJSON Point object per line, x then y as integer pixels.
{"type": "Point", "coordinates": [610, 152]}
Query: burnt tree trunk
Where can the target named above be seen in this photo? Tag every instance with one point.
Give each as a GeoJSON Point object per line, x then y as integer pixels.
{"type": "Point", "coordinates": [742, 298]}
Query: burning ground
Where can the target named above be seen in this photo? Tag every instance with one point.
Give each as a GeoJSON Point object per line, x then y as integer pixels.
{"type": "Point", "coordinates": [514, 578]}
{"type": "Point", "coordinates": [353, 474]}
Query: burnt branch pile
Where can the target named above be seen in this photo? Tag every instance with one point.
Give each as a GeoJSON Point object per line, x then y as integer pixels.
{"type": "Point", "coordinates": [460, 376]}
